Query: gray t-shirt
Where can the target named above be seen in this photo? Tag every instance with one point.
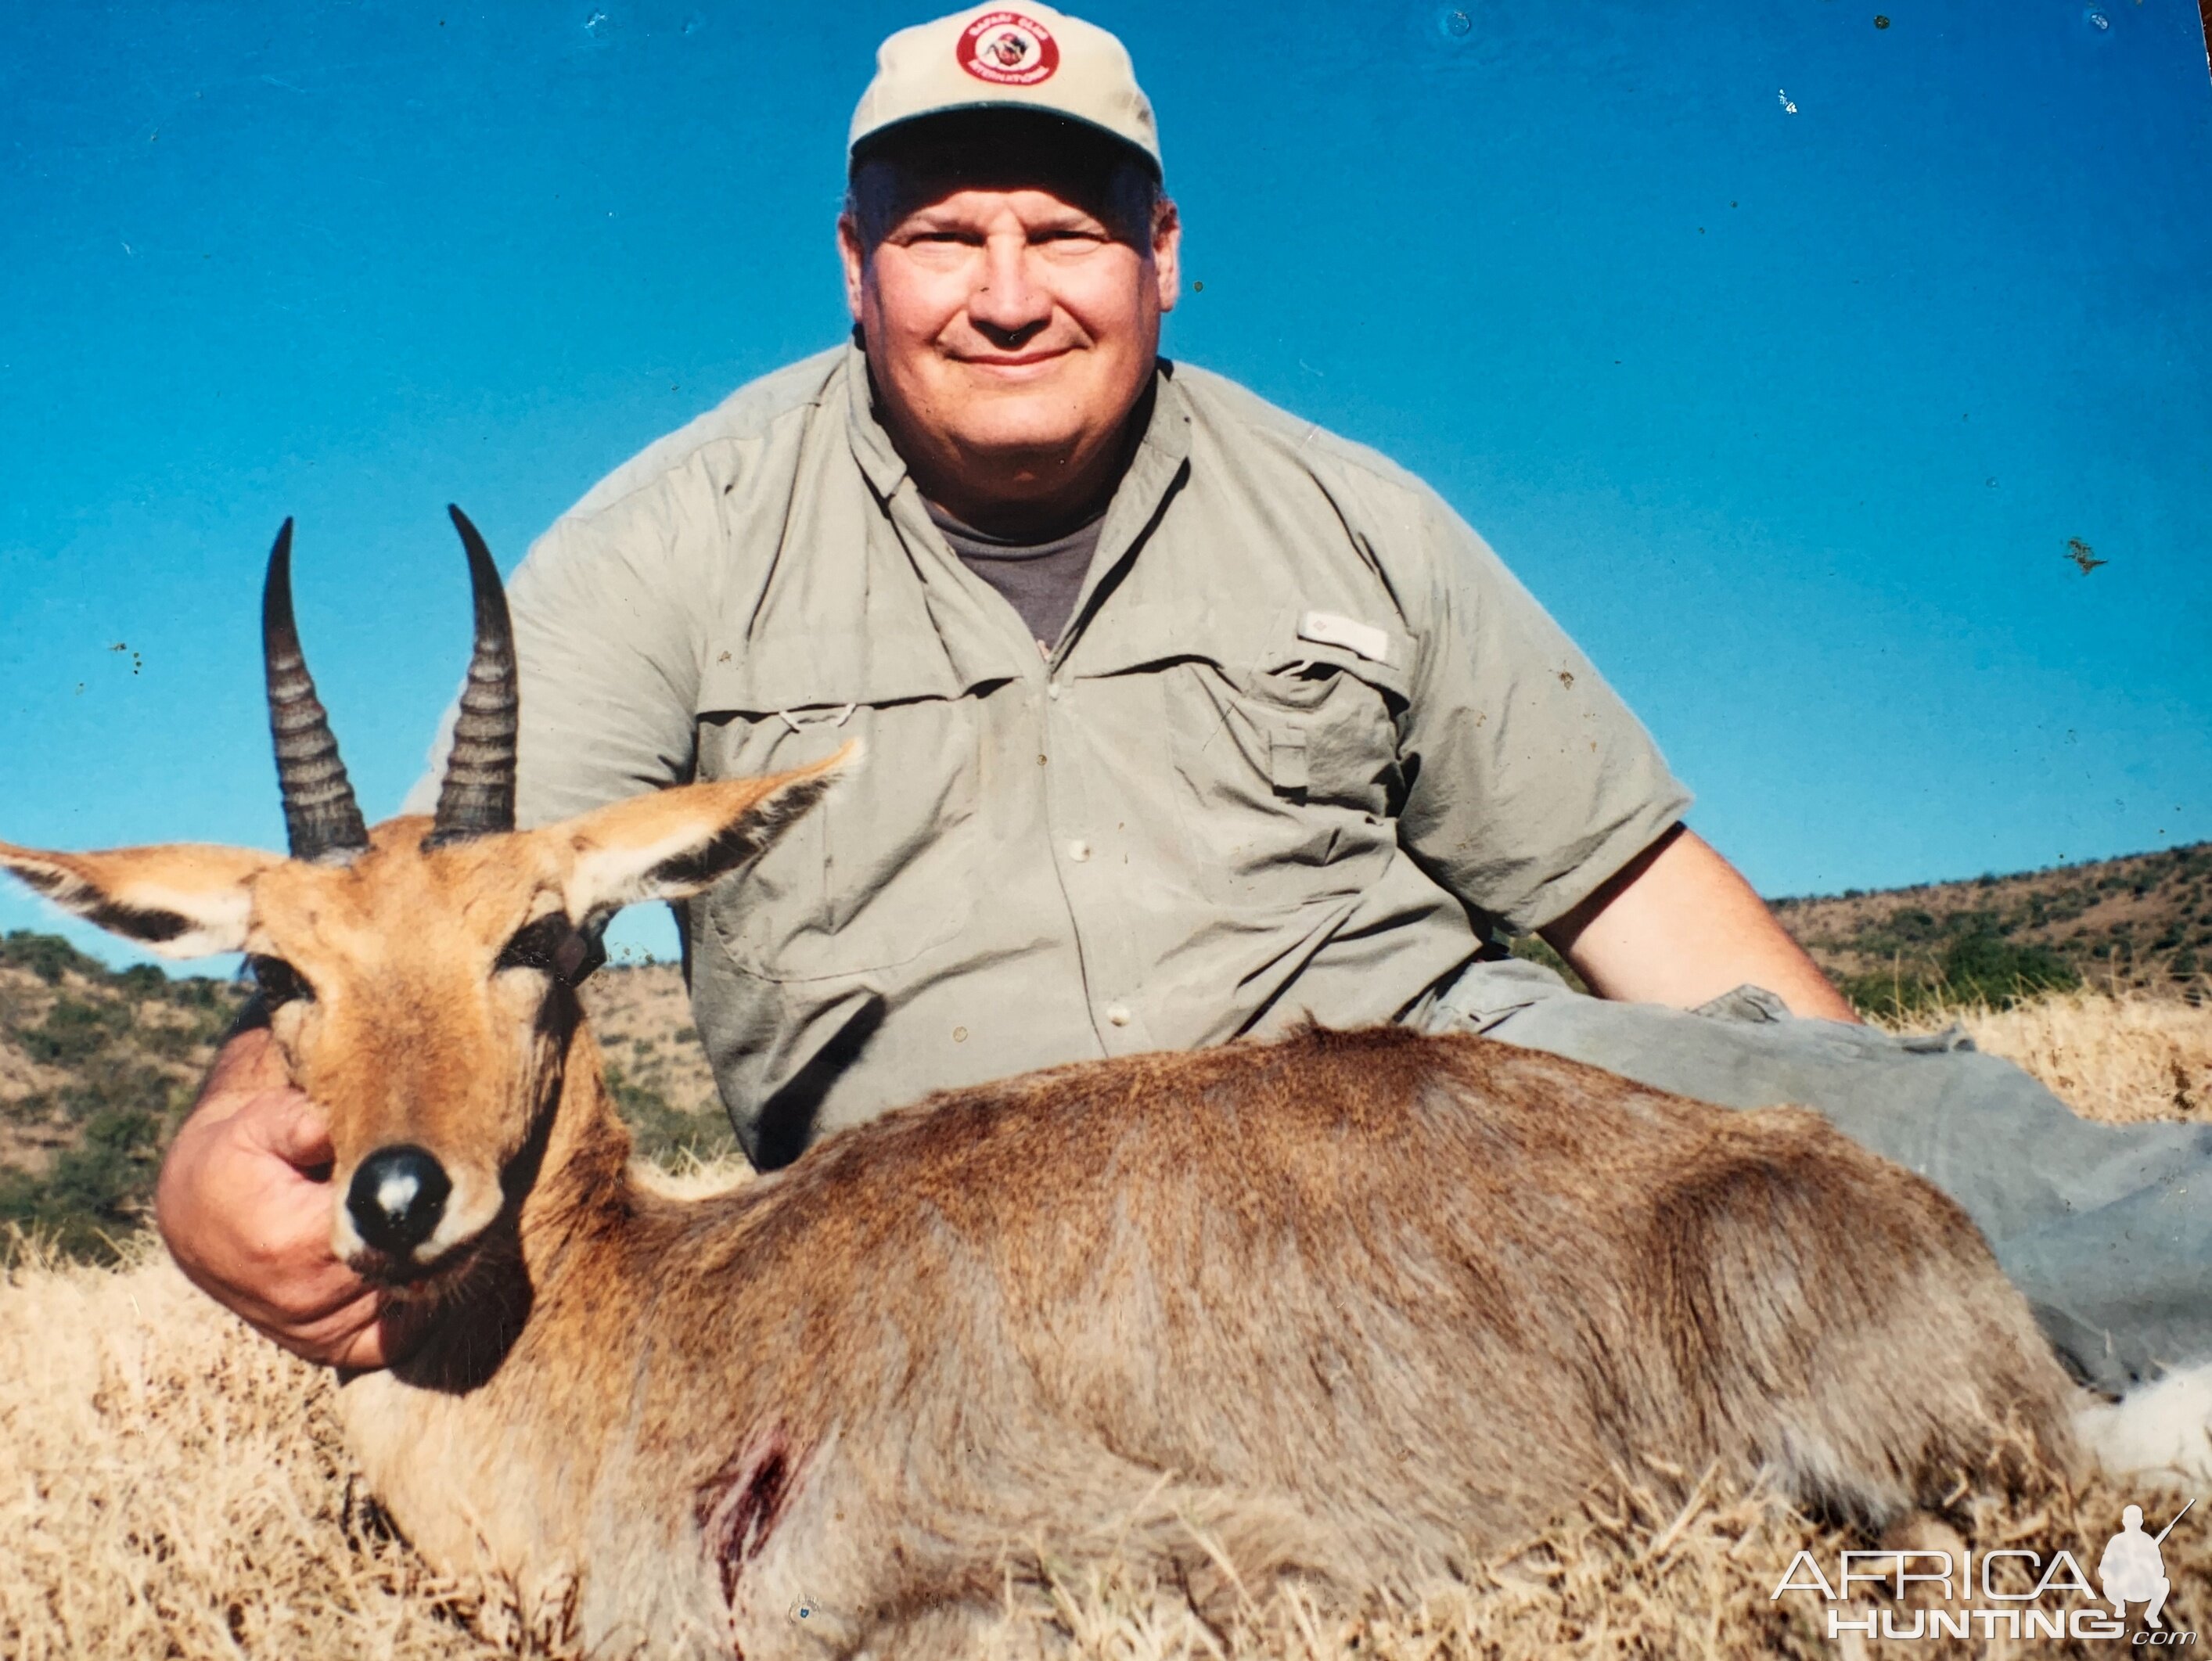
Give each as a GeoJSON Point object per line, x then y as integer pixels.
{"type": "Point", "coordinates": [1302, 742]}
{"type": "Point", "coordinates": [1039, 579]}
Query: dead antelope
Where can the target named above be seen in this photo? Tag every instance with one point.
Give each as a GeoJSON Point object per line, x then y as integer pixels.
{"type": "Point", "coordinates": [1349, 1306]}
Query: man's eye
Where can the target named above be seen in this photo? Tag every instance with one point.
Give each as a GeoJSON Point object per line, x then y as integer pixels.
{"type": "Point", "coordinates": [279, 981]}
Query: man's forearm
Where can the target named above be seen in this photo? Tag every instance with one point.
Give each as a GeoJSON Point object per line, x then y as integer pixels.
{"type": "Point", "coordinates": [1679, 925]}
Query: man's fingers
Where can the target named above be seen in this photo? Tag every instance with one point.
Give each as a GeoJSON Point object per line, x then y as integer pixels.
{"type": "Point", "coordinates": [295, 1130]}
{"type": "Point", "coordinates": [277, 1294]}
{"type": "Point", "coordinates": [351, 1335]}
{"type": "Point", "coordinates": [246, 1204]}
{"type": "Point", "coordinates": [360, 1332]}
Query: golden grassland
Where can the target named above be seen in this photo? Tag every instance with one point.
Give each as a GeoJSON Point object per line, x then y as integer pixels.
{"type": "Point", "coordinates": [172, 1486]}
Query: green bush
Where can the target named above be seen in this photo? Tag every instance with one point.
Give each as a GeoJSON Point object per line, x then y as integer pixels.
{"type": "Point", "coordinates": [1536, 949]}
{"type": "Point", "coordinates": [1984, 967]}
{"type": "Point", "coordinates": [120, 1103]}
{"type": "Point", "coordinates": [1999, 971]}
{"type": "Point", "coordinates": [47, 956]}
{"type": "Point", "coordinates": [206, 993]}
{"type": "Point", "coordinates": [96, 1194]}
{"type": "Point", "coordinates": [129, 1089]}
{"type": "Point", "coordinates": [74, 1031]}
{"type": "Point", "coordinates": [663, 1132]}
{"type": "Point", "coordinates": [1914, 925]}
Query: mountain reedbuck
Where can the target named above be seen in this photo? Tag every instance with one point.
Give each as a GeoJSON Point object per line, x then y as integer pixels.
{"type": "Point", "coordinates": [1355, 1307]}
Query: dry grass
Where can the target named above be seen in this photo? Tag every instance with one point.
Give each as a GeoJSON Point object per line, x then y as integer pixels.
{"type": "Point", "coordinates": [171, 1486]}
{"type": "Point", "coordinates": [2120, 1058]}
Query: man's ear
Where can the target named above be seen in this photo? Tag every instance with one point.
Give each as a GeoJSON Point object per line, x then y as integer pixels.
{"type": "Point", "coordinates": [673, 843]}
{"type": "Point", "coordinates": [181, 900]}
{"type": "Point", "coordinates": [852, 255]}
{"type": "Point", "coordinates": [1167, 252]}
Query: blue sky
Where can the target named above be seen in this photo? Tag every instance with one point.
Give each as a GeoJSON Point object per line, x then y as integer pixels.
{"type": "Point", "coordinates": [1780, 354]}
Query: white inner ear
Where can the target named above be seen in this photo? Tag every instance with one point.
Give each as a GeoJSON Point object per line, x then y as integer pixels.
{"type": "Point", "coordinates": [680, 842]}
{"type": "Point", "coordinates": [608, 878]}
{"type": "Point", "coordinates": [220, 919]}
{"type": "Point", "coordinates": [676, 863]}
{"type": "Point", "coordinates": [138, 909]}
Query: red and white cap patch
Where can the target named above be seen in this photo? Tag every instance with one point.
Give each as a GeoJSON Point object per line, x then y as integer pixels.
{"type": "Point", "coordinates": [1007, 49]}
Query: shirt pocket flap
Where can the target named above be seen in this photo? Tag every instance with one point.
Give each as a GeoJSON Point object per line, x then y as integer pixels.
{"type": "Point", "coordinates": [1287, 657]}
{"type": "Point", "coordinates": [811, 677]}
{"type": "Point", "coordinates": [1245, 641]}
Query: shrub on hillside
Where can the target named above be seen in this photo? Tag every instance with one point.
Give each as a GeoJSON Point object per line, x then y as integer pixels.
{"type": "Point", "coordinates": [115, 1094]}
{"type": "Point", "coordinates": [74, 1032]}
{"type": "Point", "coordinates": [665, 1134]}
{"type": "Point", "coordinates": [1983, 968]}
{"type": "Point", "coordinates": [48, 956]}
{"type": "Point", "coordinates": [97, 1194]}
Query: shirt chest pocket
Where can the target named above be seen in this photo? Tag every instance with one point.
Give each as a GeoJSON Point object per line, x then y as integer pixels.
{"type": "Point", "coordinates": [1287, 772]}
{"type": "Point", "coordinates": [883, 869]}
{"type": "Point", "coordinates": [1319, 731]}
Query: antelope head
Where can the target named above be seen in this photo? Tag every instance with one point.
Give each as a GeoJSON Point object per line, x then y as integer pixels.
{"type": "Point", "coordinates": [419, 975]}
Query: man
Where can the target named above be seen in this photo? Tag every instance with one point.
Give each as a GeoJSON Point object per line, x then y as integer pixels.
{"type": "Point", "coordinates": [1185, 720]}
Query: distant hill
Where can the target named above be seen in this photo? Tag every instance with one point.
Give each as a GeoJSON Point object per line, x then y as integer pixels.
{"type": "Point", "coordinates": [2142, 922]}
{"type": "Point", "coordinates": [97, 1065]}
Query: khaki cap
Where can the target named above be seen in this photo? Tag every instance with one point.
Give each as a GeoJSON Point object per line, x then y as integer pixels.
{"type": "Point", "coordinates": [1023, 57]}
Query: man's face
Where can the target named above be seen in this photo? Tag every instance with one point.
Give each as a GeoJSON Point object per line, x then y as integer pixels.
{"type": "Point", "coordinates": [1010, 328]}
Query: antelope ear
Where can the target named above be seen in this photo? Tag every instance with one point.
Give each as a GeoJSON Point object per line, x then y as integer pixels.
{"type": "Point", "coordinates": [181, 900]}
{"type": "Point", "coordinates": [672, 843]}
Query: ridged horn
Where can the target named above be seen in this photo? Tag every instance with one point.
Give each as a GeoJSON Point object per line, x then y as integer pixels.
{"type": "Point", "coordinates": [478, 796]}
{"type": "Point", "coordinates": [322, 821]}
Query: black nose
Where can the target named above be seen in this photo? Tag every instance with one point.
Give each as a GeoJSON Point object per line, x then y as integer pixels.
{"type": "Point", "coordinates": [398, 1196]}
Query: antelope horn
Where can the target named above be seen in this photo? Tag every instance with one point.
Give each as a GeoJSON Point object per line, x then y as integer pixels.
{"type": "Point", "coordinates": [322, 821]}
{"type": "Point", "coordinates": [478, 796]}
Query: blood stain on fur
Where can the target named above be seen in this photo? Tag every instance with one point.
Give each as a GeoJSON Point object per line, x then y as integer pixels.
{"type": "Point", "coordinates": [740, 1507]}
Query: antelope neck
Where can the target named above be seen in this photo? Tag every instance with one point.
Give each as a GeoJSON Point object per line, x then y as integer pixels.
{"type": "Point", "coordinates": [583, 1171]}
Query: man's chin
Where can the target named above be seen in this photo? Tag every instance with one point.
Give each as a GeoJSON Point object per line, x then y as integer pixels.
{"type": "Point", "coordinates": [1018, 448]}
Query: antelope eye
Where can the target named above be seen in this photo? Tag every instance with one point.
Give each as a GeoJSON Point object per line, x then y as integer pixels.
{"type": "Point", "coordinates": [540, 946]}
{"type": "Point", "coordinates": [279, 981]}
{"type": "Point", "coordinates": [554, 946]}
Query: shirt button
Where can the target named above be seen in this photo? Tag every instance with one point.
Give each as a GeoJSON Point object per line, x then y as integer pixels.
{"type": "Point", "coordinates": [1052, 691]}
{"type": "Point", "coordinates": [1079, 850]}
{"type": "Point", "coordinates": [1119, 1015]}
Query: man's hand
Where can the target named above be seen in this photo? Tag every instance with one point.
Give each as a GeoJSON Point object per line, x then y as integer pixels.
{"type": "Point", "coordinates": [245, 1204]}
{"type": "Point", "coordinates": [1679, 925]}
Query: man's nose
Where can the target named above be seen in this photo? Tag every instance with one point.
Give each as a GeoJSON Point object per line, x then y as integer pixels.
{"type": "Point", "coordinates": [1008, 303]}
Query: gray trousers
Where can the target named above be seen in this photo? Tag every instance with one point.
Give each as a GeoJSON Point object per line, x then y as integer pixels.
{"type": "Point", "coordinates": [2107, 1229]}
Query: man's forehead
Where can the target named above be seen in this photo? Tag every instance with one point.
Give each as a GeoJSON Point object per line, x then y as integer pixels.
{"type": "Point", "coordinates": [965, 203]}
{"type": "Point", "coordinates": [1041, 186]}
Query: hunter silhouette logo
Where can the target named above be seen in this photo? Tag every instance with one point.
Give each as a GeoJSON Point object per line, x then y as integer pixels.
{"type": "Point", "coordinates": [2132, 1572]}
{"type": "Point", "coordinates": [2129, 1570]}
{"type": "Point", "coordinates": [1008, 50]}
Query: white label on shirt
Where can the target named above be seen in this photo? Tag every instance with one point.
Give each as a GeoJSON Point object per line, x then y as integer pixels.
{"type": "Point", "coordinates": [1326, 627]}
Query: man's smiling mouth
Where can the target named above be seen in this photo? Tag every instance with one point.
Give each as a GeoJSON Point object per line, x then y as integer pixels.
{"type": "Point", "coordinates": [1011, 360]}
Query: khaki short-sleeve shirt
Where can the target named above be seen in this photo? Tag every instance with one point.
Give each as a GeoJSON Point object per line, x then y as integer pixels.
{"type": "Point", "coordinates": [1304, 741]}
